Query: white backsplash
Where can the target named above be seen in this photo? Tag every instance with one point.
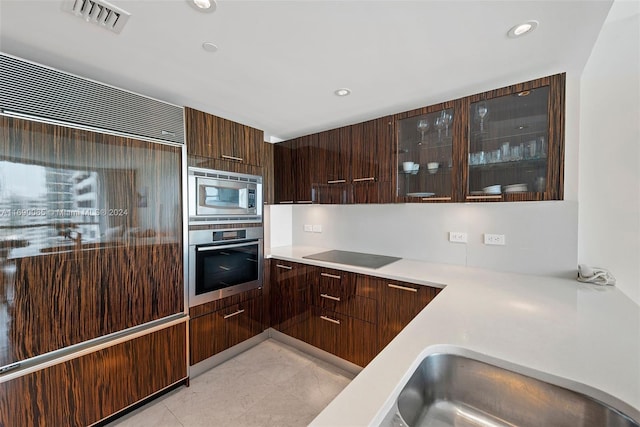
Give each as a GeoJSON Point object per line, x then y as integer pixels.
{"type": "Point", "coordinates": [541, 237]}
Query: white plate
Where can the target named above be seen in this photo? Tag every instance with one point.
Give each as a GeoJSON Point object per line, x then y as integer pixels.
{"type": "Point", "coordinates": [515, 188]}
{"type": "Point", "coordinates": [420, 194]}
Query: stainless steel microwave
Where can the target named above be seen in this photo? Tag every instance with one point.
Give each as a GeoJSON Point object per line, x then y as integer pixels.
{"type": "Point", "coordinates": [218, 197]}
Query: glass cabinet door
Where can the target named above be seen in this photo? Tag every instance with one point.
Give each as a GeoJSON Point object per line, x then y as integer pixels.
{"type": "Point", "coordinates": [425, 156]}
{"type": "Point", "coordinates": [508, 145]}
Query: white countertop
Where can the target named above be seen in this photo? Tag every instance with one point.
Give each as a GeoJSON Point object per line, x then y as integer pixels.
{"type": "Point", "coordinates": [586, 334]}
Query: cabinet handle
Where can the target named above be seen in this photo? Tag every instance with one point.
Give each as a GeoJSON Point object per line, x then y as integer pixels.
{"type": "Point", "coordinates": [330, 297]}
{"type": "Point", "coordinates": [402, 288]}
{"type": "Point", "coordinates": [167, 133]}
{"type": "Point", "coordinates": [437, 198]}
{"type": "Point", "coordinates": [333, 276]}
{"type": "Point", "coordinates": [286, 267]}
{"type": "Point", "coordinates": [328, 319]}
{"type": "Point", "coordinates": [484, 197]}
{"type": "Point", "coordinates": [371, 178]}
{"type": "Point", "coordinates": [304, 201]}
{"type": "Point", "coordinates": [237, 159]}
{"type": "Point", "coordinates": [286, 202]}
{"type": "Point", "coordinates": [337, 181]}
{"type": "Point", "coordinates": [234, 314]}
{"type": "Point", "coordinates": [225, 268]}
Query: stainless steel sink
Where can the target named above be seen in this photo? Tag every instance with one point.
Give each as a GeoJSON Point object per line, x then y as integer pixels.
{"type": "Point", "coordinates": [452, 390]}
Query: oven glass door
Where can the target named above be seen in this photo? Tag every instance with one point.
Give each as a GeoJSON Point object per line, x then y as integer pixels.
{"type": "Point", "coordinates": [223, 266]}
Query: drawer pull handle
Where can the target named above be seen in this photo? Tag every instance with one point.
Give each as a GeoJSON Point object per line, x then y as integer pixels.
{"type": "Point", "coordinates": [286, 267]}
{"type": "Point", "coordinates": [371, 178]}
{"type": "Point", "coordinates": [333, 276]}
{"type": "Point", "coordinates": [337, 181]}
{"type": "Point", "coordinates": [304, 201]}
{"type": "Point", "coordinates": [402, 288]}
{"type": "Point", "coordinates": [328, 319]}
{"type": "Point", "coordinates": [483, 197]}
{"type": "Point", "coordinates": [286, 202]}
{"type": "Point", "coordinates": [234, 314]}
{"type": "Point", "coordinates": [440, 199]}
{"type": "Point", "coordinates": [237, 159]}
{"type": "Point", "coordinates": [327, 296]}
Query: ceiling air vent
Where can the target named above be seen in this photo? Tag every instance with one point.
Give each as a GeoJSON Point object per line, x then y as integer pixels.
{"type": "Point", "coordinates": [98, 12]}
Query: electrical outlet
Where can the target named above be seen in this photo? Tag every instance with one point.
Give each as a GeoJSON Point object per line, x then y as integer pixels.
{"type": "Point", "coordinates": [308, 228]}
{"type": "Point", "coordinates": [317, 228]}
{"type": "Point", "coordinates": [494, 239]}
{"type": "Point", "coordinates": [457, 237]}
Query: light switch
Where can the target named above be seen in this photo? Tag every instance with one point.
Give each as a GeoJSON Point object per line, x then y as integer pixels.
{"type": "Point", "coordinates": [494, 239]}
{"type": "Point", "coordinates": [457, 237]}
{"type": "Point", "coordinates": [308, 228]}
{"type": "Point", "coordinates": [317, 228]}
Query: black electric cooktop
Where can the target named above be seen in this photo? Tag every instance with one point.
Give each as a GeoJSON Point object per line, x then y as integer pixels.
{"type": "Point", "coordinates": [357, 259]}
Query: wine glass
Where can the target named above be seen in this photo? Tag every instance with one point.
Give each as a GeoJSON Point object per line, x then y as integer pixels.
{"type": "Point", "coordinates": [447, 118]}
{"type": "Point", "coordinates": [423, 125]}
{"type": "Point", "coordinates": [439, 124]}
{"type": "Point", "coordinates": [482, 113]}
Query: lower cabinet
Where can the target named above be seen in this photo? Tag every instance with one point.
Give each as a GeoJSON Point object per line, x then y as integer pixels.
{"type": "Point", "coordinates": [215, 331]}
{"type": "Point", "coordinates": [92, 387]}
{"type": "Point", "coordinates": [350, 315]}
{"type": "Point", "coordinates": [402, 302]}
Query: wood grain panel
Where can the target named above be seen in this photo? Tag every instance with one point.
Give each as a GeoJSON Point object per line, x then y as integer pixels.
{"type": "Point", "coordinates": [304, 156]}
{"type": "Point", "coordinates": [284, 168]}
{"type": "Point", "coordinates": [289, 293]}
{"type": "Point", "coordinates": [268, 174]}
{"type": "Point", "coordinates": [216, 137]}
{"type": "Point", "coordinates": [391, 319]}
{"type": "Point", "coordinates": [215, 332]}
{"type": "Point", "coordinates": [219, 304]}
{"type": "Point", "coordinates": [80, 276]}
{"type": "Point", "coordinates": [90, 388]}
{"type": "Point", "coordinates": [217, 164]}
{"type": "Point", "coordinates": [67, 298]}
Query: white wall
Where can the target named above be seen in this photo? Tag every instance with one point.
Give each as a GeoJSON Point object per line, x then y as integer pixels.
{"type": "Point", "coordinates": [609, 176]}
{"type": "Point", "coordinates": [541, 238]}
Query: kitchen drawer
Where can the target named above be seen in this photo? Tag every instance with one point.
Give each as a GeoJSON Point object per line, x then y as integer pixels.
{"type": "Point", "coordinates": [216, 305]}
{"type": "Point", "coordinates": [289, 293]}
{"type": "Point", "coordinates": [347, 337]}
{"type": "Point", "coordinates": [362, 308]}
{"type": "Point", "coordinates": [214, 332]}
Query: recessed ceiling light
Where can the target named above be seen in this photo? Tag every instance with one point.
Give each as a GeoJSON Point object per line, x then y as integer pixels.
{"type": "Point", "coordinates": [203, 5]}
{"type": "Point", "coordinates": [522, 29]}
{"type": "Point", "coordinates": [342, 92]}
{"type": "Point", "coordinates": [210, 47]}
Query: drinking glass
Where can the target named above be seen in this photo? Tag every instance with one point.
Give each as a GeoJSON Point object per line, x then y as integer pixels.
{"type": "Point", "coordinates": [423, 125]}
{"type": "Point", "coordinates": [439, 124]}
{"type": "Point", "coordinates": [482, 113]}
{"type": "Point", "coordinates": [447, 118]}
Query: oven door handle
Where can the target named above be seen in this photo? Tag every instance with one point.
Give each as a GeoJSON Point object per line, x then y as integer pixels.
{"type": "Point", "coordinates": [222, 247]}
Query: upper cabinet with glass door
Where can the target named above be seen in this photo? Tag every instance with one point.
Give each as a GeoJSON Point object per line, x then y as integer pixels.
{"type": "Point", "coordinates": [515, 142]}
{"type": "Point", "coordinates": [425, 154]}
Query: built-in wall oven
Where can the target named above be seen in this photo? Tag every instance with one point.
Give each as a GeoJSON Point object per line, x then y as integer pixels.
{"type": "Point", "coordinates": [223, 263]}
{"type": "Point", "coordinates": [219, 197]}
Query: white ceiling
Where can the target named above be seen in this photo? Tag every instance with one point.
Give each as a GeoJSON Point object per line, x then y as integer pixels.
{"type": "Point", "coordinates": [279, 62]}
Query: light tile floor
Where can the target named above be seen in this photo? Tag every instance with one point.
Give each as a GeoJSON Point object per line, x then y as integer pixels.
{"type": "Point", "coordinates": [271, 384]}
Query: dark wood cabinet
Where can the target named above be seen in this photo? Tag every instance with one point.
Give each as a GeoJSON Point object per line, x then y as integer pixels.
{"type": "Point", "coordinates": [350, 315]}
{"type": "Point", "coordinates": [372, 161]}
{"type": "Point", "coordinates": [513, 142]}
{"type": "Point", "coordinates": [453, 156]}
{"type": "Point", "coordinates": [214, 137]}
{"type": "Point", "coordinates": [268, 196]}
{"type": "Point", "coordinates": [284, 172]}
{"type": "Point", "coordinates": [85, 390]}
{"type": "Point", "coordinates": [289, 296]}
{"type": "Point", "coordinates": [400, 302]}
{"type": "Point", "coordinates": [217, 326]}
